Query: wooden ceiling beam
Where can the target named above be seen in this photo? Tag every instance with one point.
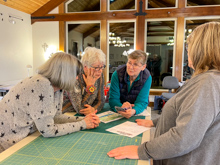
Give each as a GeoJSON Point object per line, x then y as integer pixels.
{"type": "Point", "coordinates": [129, 5]}
{"type": "Point", "coordinates": [87, 17]}
{"type": "Point", "coordinates": [205, 2]}
{"type": "Point", "coordinates": [156, 4]}
{"type": "Point", "coordinates": [157, 13]}
{"type": "Point", "coordinates": [45, 9]}
{"type": "Point", "coordinates": [90, 31]}
{"type": "Point", "coordinates": [72, 26]}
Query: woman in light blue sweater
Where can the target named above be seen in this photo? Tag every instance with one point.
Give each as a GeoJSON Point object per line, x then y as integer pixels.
{"type": "Point", "coordinates": [188, 131]}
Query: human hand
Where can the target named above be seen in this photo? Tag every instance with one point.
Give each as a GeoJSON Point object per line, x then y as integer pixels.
{"type": "Point", "coordinates": [128, 113]}
{"type": "Point", "coordinates": [127, 105]}
{"type": "Point", "coordinates": [92, 120]}
{"type": "Point", "coordinates": [90, 77]}
{"type": "Point", "coordinates": [89, 109]}
{"type": "Point", "coordinates": [143, 122]}
{"type": "Point", "coordinates": [130, 152]}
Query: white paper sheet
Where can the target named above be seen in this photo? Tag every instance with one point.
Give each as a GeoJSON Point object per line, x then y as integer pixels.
{"type": "Point", "coordinates": [128, 128]}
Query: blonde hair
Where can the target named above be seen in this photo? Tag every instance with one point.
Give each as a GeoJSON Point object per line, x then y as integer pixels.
{"type": "Point", "coordinates": [61, 69]}
{"type": "Point", "coordinates": [93, 55]}
{"type": "Point", "coordinates": [138, 55]}
{"type": "Point", "coordinates": [204, 47]}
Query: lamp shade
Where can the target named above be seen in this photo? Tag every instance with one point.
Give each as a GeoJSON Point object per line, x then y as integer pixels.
{"type": "Point", "coordinates": [28, 66]}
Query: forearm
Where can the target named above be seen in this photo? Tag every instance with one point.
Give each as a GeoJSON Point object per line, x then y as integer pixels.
{"type": "Point", "coordinates": [62, 118]}
{"type": "Point", "coordinates": [155, 121]}
{"type": "Point", "coordinates": [48, 128]}
{"type": "Point", "coordinates": [139, 107]}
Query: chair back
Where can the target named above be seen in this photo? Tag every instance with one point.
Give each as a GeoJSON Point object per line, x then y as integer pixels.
{"type": "Point", "coordinates": [170, 82]}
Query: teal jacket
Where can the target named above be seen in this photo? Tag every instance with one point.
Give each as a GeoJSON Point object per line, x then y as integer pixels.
{"type": "Point", "coordinates": [142, 99]}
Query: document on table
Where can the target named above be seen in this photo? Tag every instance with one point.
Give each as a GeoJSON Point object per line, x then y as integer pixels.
{"type": "Point", "coordinates": [109, 116]}
{"type": "Point", "coordinates": [128, 128]}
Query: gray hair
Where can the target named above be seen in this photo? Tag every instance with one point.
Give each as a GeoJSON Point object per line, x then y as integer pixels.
{"type": "Point", "coordinates": [61, 69]}
{"type": "Point", "coordinates": [93, 55]}
{"type": "Point", "coordinates": [138, 55]}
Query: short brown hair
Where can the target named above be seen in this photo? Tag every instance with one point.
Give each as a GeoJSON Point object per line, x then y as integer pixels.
{"type": "Point", "coordinates": [138, 55]}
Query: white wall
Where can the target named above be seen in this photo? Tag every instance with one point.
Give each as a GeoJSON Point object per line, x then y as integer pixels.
{"type": "Point", "coordinates": [44, 32]}
{"type": "Point", "coordinates": [15, 45]}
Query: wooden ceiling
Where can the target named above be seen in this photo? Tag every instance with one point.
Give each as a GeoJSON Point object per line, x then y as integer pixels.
{"type": "Point", "coordinates": [26, 6]}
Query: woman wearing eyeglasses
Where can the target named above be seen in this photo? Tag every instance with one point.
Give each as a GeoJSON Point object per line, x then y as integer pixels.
{"type": "Point", "coordinates": [130, 85]}
{"type": "Point", "coordinates": [88, 94]}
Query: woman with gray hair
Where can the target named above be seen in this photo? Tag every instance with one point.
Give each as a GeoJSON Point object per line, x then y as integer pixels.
{"type": "Point", "coordinates": [36, 103]}
{"type": "Point", "coordinates": [88, 94]}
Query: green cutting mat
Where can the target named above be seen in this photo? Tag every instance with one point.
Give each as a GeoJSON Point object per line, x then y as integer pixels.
{"type": "Point", "coordinates": [76, 149]}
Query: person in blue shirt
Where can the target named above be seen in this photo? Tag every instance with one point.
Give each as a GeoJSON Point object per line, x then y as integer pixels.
{"type": "Point", "coordinates": [130, 85]}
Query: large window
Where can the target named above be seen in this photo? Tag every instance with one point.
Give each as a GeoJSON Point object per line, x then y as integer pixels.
{"type": "Point", "coordinates": [81, 35]}
{"type": "Point", "coordinates": [160, 50]}
{"type": "Point", "coordinates": [121, 41]}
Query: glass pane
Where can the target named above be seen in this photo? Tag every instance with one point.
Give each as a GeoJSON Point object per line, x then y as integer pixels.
{"type": "Point", "coordinates": [121, 41]}
{"type": "Point", "coordinates": [122, 4]}
{"type": "Point", "coordinates": [190, 26]}
{"type": "Point", "coordinates": [202, 2]}
{"type": "Point", "coordinates": [81, 36]}
{"type": "Point", "coordinates": [82, 5]}
{"type": "Point", "coordinates": [161, 3]}
{"type": "Point", "coordinates": [160, 45]}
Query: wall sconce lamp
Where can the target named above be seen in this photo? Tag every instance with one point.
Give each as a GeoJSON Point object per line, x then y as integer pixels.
{"type": "Point", "coordinates": [28, 68]}
{"type": "Point", "coordinates": [49, 50]}
{"type": "Point", "coordinates": [12, 19]}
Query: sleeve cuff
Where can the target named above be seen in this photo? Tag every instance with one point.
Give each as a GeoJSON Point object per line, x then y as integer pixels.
{"type": "Point", "coordinates": [142, 152]}
{"type": "Point", "coordinates": [155, 121]}
{"type": "Point", "coordinates": [83, 124]}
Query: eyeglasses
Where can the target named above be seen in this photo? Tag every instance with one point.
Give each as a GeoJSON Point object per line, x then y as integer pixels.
{"type": "Point", "coordinates": [98, 68]}
{"type": "Point", "coordinates": [135, 65]}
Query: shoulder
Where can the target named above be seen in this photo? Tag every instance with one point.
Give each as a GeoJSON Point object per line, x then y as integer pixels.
{"type": "Point", "coordinates": [114, 76]}
{"type": "Point", "coordinates": [39, 80]}
{"type": "Point", "coordinates": [208, 77]}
